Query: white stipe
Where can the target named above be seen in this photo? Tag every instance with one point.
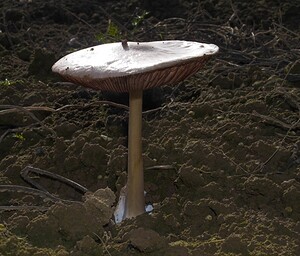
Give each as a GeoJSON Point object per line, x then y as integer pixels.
{"type": "Point", "coordinates": [119, 213]}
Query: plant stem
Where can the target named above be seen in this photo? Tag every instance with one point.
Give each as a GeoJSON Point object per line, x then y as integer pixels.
{"type": "Point", "coordinates": [135, 201]}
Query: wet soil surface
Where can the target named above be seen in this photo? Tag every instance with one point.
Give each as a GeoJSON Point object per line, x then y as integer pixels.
{"type": "Point", "coordinates": [221, 149]}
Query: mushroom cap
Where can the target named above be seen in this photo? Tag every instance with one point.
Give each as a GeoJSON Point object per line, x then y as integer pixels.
{"type": "Point", "coordinates": [123, 67]}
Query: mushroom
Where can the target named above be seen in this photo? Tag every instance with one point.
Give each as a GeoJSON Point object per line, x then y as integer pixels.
{"type": "Point", "coordinates": [133, 67]}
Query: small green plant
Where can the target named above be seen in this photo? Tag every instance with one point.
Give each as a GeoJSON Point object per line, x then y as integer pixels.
{"type": "Point", "coordinates": [7, 82]}
{"type": "Point", "coordinates": [114, 31]}
{"type": "Point", "coordinates": [112, 34]}
{"type": "Point", "coordinates": [19, 136]}
{"type": "Point", "coordinates": [139, 18]}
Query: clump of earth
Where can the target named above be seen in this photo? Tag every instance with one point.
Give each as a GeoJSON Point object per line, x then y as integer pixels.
{"type": "Point", "coordinates": [221, 149]}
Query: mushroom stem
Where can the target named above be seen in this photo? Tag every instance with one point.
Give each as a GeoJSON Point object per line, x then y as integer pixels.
{"type": "Point", "coordinates": [135, 201]}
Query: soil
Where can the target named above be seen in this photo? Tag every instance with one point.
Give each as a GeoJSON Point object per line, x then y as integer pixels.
{"type": "Point", "coordinates": [221, 149]}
